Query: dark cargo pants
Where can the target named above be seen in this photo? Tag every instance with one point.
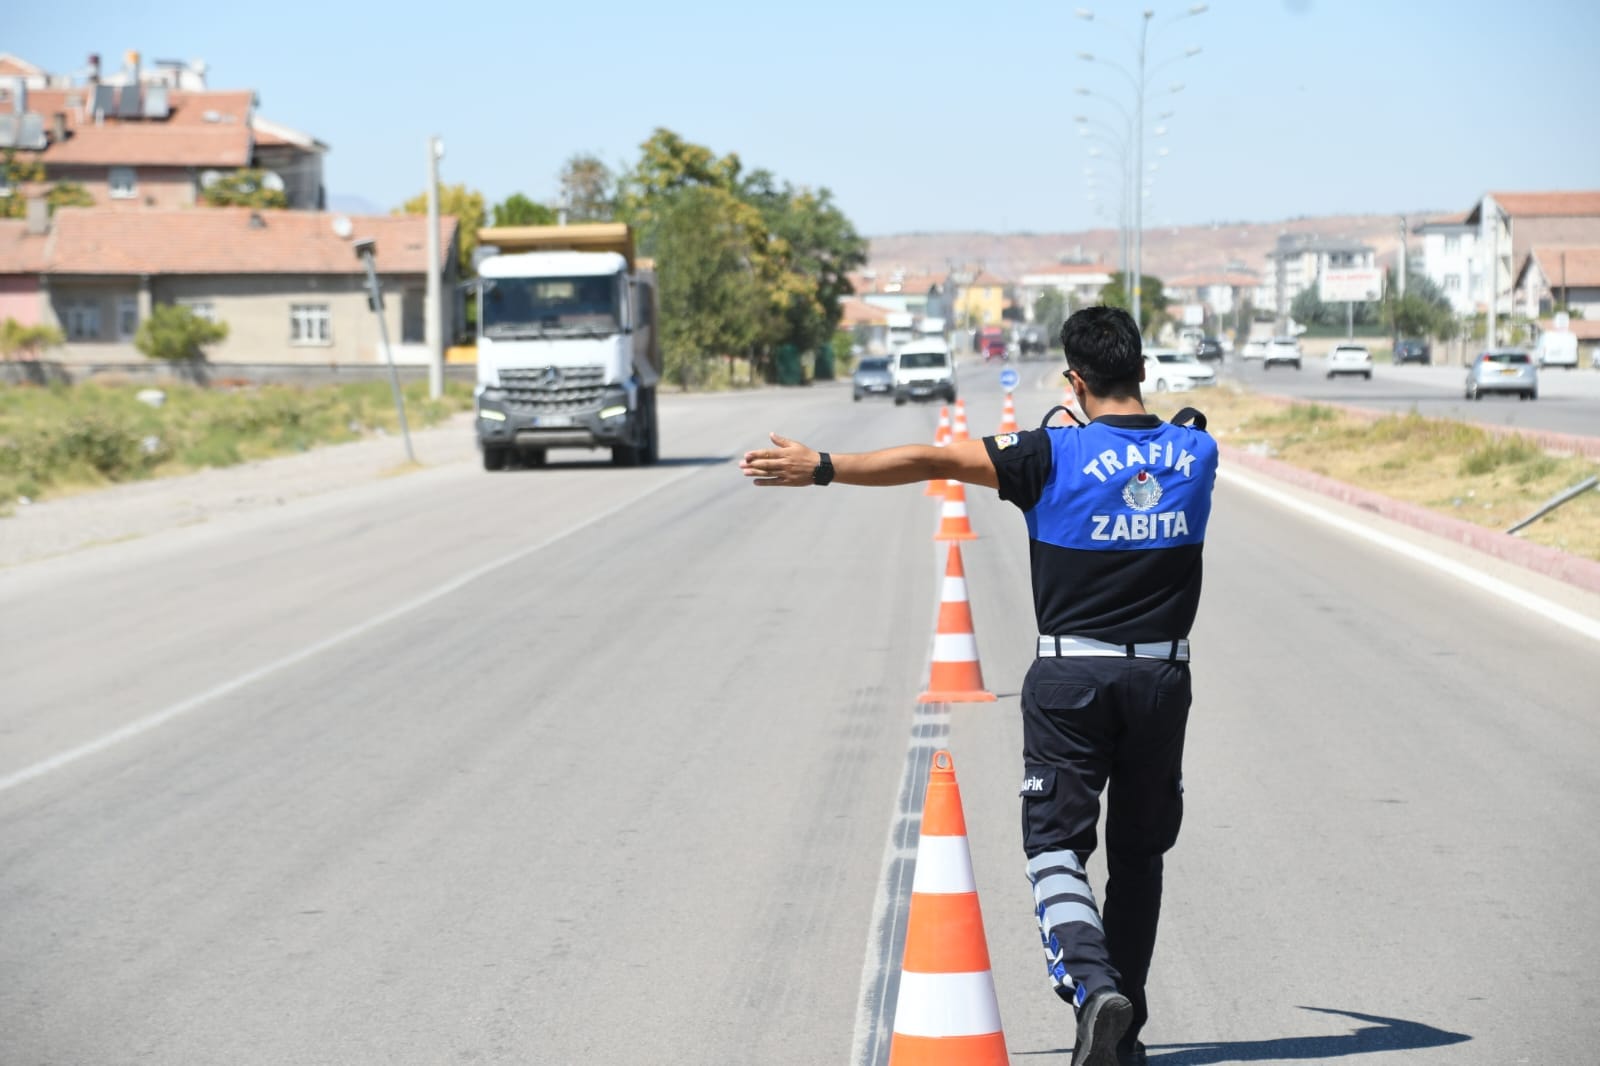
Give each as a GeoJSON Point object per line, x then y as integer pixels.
{"type": "Point", "coordinates": [1087, 721]}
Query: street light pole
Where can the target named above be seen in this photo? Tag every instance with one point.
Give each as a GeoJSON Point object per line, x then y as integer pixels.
{"type": "Point", "coordinates": [1137, 284]}
{"type": "Point", "coordinates": [434, 299]}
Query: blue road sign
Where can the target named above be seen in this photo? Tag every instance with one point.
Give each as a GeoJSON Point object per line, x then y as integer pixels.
{"type": "Point", "coordinates": [1009, 379]}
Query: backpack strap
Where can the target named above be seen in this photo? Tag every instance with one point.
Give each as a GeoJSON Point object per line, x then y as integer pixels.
{"type": "Point", "coordinates": [1189, 416]}
{"type": "Point", "coordinates": [1048, 415]}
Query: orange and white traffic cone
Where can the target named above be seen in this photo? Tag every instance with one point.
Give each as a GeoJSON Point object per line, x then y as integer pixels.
{"type": "Point", "coordinates": [1008, 416]}
{"type": "Point", "coordinates": [947, 1013]}
{"type": "Point", "coordinates": [953, 521]}
{"type": "Point", "coordinates": [958, 431]}
{"type": "Point", "coordinates": [940, 439]}
{"type": "Point", "coordinates": [955, 676]}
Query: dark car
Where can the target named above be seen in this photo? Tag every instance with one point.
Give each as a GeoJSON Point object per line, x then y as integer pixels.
{"type": "Point", "coordinates": [873, 377]}
{"type": "Point", "coordinates": [1208, 350]}
{"type": "Point", "coordinates": [1413, 351]}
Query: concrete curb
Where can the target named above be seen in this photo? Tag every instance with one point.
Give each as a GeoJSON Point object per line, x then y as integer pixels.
{"type": "Point", "coordinates": [1581, 573]}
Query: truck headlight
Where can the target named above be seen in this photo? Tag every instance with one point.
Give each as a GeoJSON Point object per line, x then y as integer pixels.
{"type": "Point", "coordinates": [612, 412]}
{"type": "Point", "coordinates": [492, 416]}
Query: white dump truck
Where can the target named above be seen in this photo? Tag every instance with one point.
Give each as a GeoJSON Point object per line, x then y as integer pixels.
{"type": "Point", "coordinates": [568, 355]}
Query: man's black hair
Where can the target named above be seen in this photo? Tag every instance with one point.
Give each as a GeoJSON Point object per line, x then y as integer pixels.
{"type": "Point", "coordinates": [1102, 345]}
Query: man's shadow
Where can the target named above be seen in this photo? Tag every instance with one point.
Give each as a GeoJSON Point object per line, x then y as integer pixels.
{"type": "Point", "coordinates": [1383, 1034]}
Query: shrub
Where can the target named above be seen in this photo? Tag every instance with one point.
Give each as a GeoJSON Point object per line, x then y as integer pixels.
{"type": "Point", "coordinates": [176, 333]}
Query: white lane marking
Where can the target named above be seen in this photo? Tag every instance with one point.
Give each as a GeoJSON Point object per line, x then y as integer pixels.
{"type": "Point", "coordinates": [182, 707]}
{"type": "Point", "coordinates": [1554, 612]}
{"type": "Point", "coordinates": [880, 968]}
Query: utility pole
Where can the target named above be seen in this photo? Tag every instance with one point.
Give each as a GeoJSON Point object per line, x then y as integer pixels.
{"type": "Point", "coordinates": [366, 251]}
{"type": "Point", "coordinates": [1494, 271]}
{"type": "Point", "coordinates": [434, 309]}
{"type": "Point", "coordinates": [1400, 271]}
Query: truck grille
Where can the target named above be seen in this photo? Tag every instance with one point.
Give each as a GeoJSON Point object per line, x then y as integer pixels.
{"type": "Point", "coordinates": [551, 390]}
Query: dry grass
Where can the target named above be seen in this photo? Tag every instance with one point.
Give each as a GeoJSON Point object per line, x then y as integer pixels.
{"type": "Point", "coordinates": [1450, 467]}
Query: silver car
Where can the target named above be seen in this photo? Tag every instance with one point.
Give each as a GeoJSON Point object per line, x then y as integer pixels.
{"type": "Point", "coordinates": [1503, 370]}
{"type": "Point", "coordinates": [873, 377]}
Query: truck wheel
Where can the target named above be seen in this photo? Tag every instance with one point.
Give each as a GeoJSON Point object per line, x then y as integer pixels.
{"type": "Point", "coordinates": [532, 457]}
{"type": "Point", "coordinates": [652, 435]}
{"type": "Point", "coordinates": [899, 400]}
{"type": "Point", "coordinates": [494, 458]}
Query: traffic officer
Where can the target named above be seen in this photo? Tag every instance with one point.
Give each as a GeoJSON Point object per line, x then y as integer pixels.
{"type": "Point", "coordinates": [1116, 511]}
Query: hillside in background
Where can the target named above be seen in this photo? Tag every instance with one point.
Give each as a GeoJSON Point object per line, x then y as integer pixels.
{"type": "Point", "coordinates": [1168, 251]}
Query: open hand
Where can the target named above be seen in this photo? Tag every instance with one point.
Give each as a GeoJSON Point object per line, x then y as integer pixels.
{"type": "Point", "coordinates": [787, 463]}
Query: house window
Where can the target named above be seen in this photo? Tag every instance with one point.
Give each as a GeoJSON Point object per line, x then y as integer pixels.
{"type": "Point", "coordinates": [83, 320]}
{"type": "Point", "coordinates": [310, 324]}
{"type": "Point", "coordinates": [1452, 244]}
{"type": "Point", "coordinates": [201, 309]}
{"type": "Point", "coordinates": [124, 183]}
{"type": "Point", "coordinates": [127, 317]}
{"type": "Point", "coordinates": [1452, 283]}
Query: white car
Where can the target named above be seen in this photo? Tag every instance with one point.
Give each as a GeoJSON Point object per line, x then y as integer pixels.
{"type": "Point", "coordinates": [1166, 370]}
{"type": "Point", "coordinates": [1282, 350]}
{"type": "Point", "coordinates": [1256, 349]}
{"type": "Point", "coordinates": [1350, 359]}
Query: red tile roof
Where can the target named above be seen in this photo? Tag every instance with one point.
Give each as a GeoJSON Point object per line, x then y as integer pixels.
{"type": "Point", "coordinates": [1581, 268]}
{"type": "Point", "coordinates": [857, 313]}
{"type": "Point", "coordinates": [1548, 204]}
{"type": "Point", "coordinates": [217, 240]}
{"type": "Point", "coordinates": [203, 129]}
{"type": "Point", "coordinates": [987, 280]}
{"type": "Point", "coordinates": [20, 253]}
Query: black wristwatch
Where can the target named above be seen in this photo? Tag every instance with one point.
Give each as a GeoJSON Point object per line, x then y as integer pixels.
{"type": "Point", "coordinates": [822, 473]}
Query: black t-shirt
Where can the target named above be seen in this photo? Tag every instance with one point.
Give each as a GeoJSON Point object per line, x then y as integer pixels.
{"type": "Point", "coordinates": [1116, 514]}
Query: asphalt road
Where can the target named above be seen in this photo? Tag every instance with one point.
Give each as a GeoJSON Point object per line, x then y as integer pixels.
{"type": "Point", "coordinates": [1569, 400]}
{"type": "Point", "coordinates": [587, 765]}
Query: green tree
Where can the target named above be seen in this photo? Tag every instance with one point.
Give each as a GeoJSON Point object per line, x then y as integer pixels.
{"type": "Point", "coordinates": [175, 333]}
{"type": "Point", "coordinates": [245, 187]}
{"type": "Point", "coordinates": [27, 341]}
{"type": "Point", "coordinates": [588, 189]}
{"type": "Point", "coordinates": [1152, 299]}
{"type": "Point", "coordinates": [709, 294]}
{"type": "Point", "coordinates": [14, 174]}
{"type": "Point", "coordinates": [467, 205]}
{"type": "Point", "coordinates": [518, 210]}
{"type": "Point", "coordinates": [68, 194]}
{"type": "Point", "coordinates": [1050, 312]}
{"type": "Point", "coordinates": [815, 247]}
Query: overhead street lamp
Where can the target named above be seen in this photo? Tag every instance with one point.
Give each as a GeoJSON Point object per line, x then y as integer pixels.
{"type": "Point", "coordinates": [1140, 87]}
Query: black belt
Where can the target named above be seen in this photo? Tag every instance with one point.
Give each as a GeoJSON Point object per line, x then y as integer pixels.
{"type": "Point", "coordinates": [1176, 651]}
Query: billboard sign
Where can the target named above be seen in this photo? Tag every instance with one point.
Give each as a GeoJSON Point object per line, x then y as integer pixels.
{"type": "Point", "coordinates": [1351, 285]}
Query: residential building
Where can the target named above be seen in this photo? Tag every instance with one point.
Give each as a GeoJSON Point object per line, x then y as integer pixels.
{"type": "Point", "coordinates": [1081, 283]}
{"type": "Point", "coordinates": [1510, 224]}
{"type": "Point", "coordinates": [869, 325]}
{"type": "Point", "coordinates": [1221, 293]}
{"type": "Point", "coordinates": [1298, 261]}
{"type": "Point", "coordinates": [980, 301]}
{"type": "Point", "coordinates": [918, 294]}
{"type": "Point", "coordinates": [151, 138]}
{"type": "Point", "coordinates": [287, 283]}
{"type": "Point", "coordinates": [1555, 277]}
{"type": "Point", "coordinates": [1451, 261]}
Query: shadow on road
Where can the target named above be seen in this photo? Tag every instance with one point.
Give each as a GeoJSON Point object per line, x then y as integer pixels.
{"type": "Point", "coordinates": [1383, 1034]}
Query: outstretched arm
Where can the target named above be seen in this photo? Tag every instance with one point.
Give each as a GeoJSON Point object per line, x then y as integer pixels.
{"type": "Point", "coordinates": [791, 463]}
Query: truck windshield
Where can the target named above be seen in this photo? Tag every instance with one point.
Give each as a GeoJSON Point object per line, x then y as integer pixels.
{"type": "Point", "coordinates": [921, 360]}
{"type": "Point", "coordinates": [550, 307]}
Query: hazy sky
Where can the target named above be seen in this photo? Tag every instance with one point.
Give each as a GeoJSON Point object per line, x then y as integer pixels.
{"type": "Point", "coordinates": [919, 116]}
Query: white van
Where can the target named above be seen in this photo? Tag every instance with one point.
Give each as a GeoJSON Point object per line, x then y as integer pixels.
{"type": "Point", "coordinates": [924, 370]}
{"type": "Point", "coordinates": [1557, 348]}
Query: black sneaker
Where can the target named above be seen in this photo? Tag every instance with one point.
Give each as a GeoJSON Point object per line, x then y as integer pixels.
{"type": "Point", "coordinates": [1132, 1057]}
{"type": "Point", "coordinates": [1102, 1020]}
